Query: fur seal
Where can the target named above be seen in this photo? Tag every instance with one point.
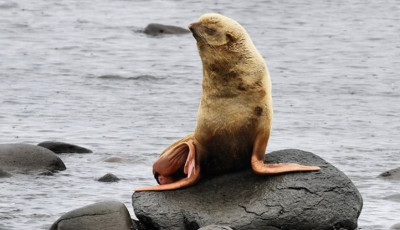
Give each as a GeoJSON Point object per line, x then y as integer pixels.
{"type": "Point", "coordinates": [235, 112]}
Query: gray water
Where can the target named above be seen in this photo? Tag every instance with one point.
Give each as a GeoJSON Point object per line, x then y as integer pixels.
{"type": "Point", "coordinates": [81, 72]}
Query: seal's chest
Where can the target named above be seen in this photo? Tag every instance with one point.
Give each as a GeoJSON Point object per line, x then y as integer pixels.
{"type": "Point", "coordinates": [228, 150]}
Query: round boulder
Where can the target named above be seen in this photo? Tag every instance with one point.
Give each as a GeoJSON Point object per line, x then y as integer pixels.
{"type": "Point", "coordinates": [61, 147]}
{"type": "Point", "coordinates": [107, 215]}
{"type": "Point", "coordinates": [326, 199]}
{"type": "Point", "coordinates": [25, 157]}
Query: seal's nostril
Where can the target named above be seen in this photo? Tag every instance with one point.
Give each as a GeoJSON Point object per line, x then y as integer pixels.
{"type": "Point", "coordinates": [192, 26]}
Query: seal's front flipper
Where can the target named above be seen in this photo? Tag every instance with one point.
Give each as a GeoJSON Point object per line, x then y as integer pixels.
{"type": "Point", "coordinates": [257, 160]}
{"type": "Point", "coordinates": [260, 168]}
{"type": "Point", "coordinates": [176, 168]}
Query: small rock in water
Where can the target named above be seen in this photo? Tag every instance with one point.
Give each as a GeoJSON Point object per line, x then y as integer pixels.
{"type": "Point", "coordinates": [395, 197]}
{"type": "Point", "coordinates": [109, 177]}
{"type": "Point", "coordinates": [396, 226]}
{"type": "Point", "coordinates": [107, 215]}
{"type": "Point", "coordinates": [61, 147]}
{"type": "Point", "coordinates": [391, 174]}
{"type": "Point", "coordinates": [114, 159]}
{"type": "Point", "coordinates": [325, 199]}
{"type": "Point", "coordinates": [159, 29]}
{"type": "Point", "coordinates": [4, 174]}
{"type": "Point", "coordinates": [25, 158]}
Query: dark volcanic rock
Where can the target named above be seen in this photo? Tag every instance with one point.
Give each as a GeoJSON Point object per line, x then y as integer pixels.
{"type": "Point", "coordinates": [109, 177]}
{"type": "Point", "coordinates": [215, 227]}
{"type": "Point", "coordinates": [303, 200]}
{"type": "Point", "coordinates": [159, 29]}
{"type": "Point", "coordinates": [107, 215]}
{"type": "Point", "coordinates": [24, 157]}
{"type": "Point", "coordinates": [61, 147]}
{"type": "Point", "coordinates": [4, 174]}
{"type": "Point", "coordinates": [391, 174]}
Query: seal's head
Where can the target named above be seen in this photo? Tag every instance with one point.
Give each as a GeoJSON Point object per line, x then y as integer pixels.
{"type": "Point", "coordinates": [224, 45]}
{"type": "Point", "coordinates": [222, 42]}
{"type": "Point", "coordinates": [217, 30]}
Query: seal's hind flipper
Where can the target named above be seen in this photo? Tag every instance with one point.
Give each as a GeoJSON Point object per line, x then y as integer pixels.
{"type": "Point", "coordinates": [185, 182]}
{"type": "Point", "coordinates": [172, 161]}
{"type": "Point", "coordinates": [171, 165]}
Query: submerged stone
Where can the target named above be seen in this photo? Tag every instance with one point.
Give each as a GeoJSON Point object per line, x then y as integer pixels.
{"type": "Point", "coordinates": [4, 174]}
{"type": "Point", "coordinates": [109, 177]}
{"type": "Point", "coordinates": [114, 159]}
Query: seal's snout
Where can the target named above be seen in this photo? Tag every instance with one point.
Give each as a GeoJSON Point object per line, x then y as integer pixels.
{"type": "Point", "coordinates": [192, 26]}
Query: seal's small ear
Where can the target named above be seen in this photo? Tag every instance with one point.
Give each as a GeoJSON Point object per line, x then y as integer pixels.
{"type": "Point", "coordinates": [229, 36]}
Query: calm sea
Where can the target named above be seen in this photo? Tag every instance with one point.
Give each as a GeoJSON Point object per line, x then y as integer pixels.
{"type": "Point", "coordinates": [82, 72]}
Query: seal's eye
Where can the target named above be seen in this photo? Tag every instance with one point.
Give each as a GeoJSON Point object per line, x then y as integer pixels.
{"type": "Point", "coordinates": [210, 31]}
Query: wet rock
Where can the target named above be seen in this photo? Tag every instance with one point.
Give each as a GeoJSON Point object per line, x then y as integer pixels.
{"type": "Point", "coordinates": [109, 177]}
{"type": "Point", "coordinates": [395, 226]}
{"type": "Point", "coordinates": [391, 174]}
{"type": "Point", "coordinates": [61, 147]}
{"type": "Point", "coordinates": [46, 173]}
{"type": "Point", "coordinates": [215, 227]}
{"type": "Point", "coordinates": [303, 200]}
{"type": "Point", "coordinates": [4, 174]}
{"type": "Point", "coordinates": [137, 225]}
{"type": "Point", "coordinates": [114, 159]}
{"type": "Point", "coordinates": [107, 215]}
{"type": "Point", "coordinates": [24, 158]}
{"type": "Point", "coordinates": [159, 29]}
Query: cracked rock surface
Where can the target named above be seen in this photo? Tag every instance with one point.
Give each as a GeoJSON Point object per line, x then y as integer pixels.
{"type": "Point", "coordinates": [107, 215]}
{"type": "Point", "coordinates": [215, 227]}
{"type": "Point", "coordinates": [303, 200]}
